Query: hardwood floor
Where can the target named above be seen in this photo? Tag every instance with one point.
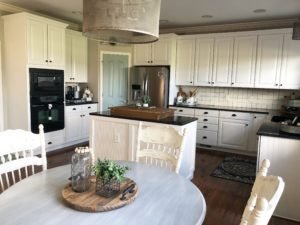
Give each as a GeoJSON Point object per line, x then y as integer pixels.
{"type": "Point", "coordinates": [225, 199]}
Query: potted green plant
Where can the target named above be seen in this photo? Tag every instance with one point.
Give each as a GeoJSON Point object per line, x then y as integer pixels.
{"type": "Point", "coordinates": [109, 175]}
{"type": "Point", "coordinates": [146, 100]}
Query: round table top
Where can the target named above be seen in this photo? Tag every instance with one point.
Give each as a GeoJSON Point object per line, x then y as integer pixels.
{"type": "Point", "coordinates": [165, 198]}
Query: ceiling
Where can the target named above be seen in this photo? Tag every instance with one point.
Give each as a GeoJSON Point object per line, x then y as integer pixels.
{"type": "Point", "coordinates": [180, 13]}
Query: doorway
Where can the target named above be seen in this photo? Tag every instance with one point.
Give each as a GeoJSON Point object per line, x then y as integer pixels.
{"type": "Point", "coordinates": [114, 79]}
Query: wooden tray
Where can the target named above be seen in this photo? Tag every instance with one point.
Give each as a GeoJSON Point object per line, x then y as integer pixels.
{"type": "Point", "coordinates": [89, 201]}
{"type": "Point", "coordinates": [142, 112]}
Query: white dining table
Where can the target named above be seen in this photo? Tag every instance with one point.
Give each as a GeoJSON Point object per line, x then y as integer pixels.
{"type": "Point", "coordinates": [164, 198]}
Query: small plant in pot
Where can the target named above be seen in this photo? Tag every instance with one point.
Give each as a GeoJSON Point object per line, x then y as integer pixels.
{"type": "Point", "coordinates": [109, 175]}
{"type": "Point", "coordinates": [146, 100]}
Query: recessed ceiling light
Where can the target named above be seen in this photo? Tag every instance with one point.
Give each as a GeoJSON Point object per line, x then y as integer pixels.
{"type": "Point", "coordinates": [207, 16]}
{"type": "Point", "coordinates": [77, 13]}
{"type": "Point", "coordinates": [259, 10]}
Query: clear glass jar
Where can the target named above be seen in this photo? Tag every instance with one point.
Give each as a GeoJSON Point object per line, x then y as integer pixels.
{"type": "Point", "coordinates": [81, 170]}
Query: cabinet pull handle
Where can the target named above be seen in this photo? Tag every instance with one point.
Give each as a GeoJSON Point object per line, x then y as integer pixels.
{"type": "Point", "coordinates": [83, 115]}
{"type": "Point", "coordinates": [205, 113]}
{"type": "Point", "coordinates": [208, 82]}
{"type": "Point", "coordinates": [232, 83]}
{"type": "Point", "coordinates": [280, 85]}
{"type": "Point", "coordinates": [204, 137]}
{"type": "Point", "coordinates": [234, 115]}
{"type": "Point", "coordinates": [191, 82]}
{"type": "Point", "coordinates": [49, 143]}
{"type": "Point", "coordinates": [212, 82]}
{"type": "Point", "coordinates": [180, 110]}
{"type": "Point", "coordinates": [205, 120]}
{"type": "Point", "coordinates": [276, 84]}
{"type": "Point", "coordinates": [50, 61]}
{"type": "Point", "coordinates": [246, 125]}
{"type": "Point", "coordinates": [74, 108]}
{"type": "Point", "coordinates": [89, 107]}
{"type": "Point", "coordinates": [254, 117]}
{"type": "Point", "coordinates": [204, 127]}
{"type": "Point", "coordinates": [46, 60]}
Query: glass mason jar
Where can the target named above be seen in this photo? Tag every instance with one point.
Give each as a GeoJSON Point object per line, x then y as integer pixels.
{"type": "Point", "coordinates": [81, 170]}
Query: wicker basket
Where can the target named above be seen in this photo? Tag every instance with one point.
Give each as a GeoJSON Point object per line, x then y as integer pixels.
{"type": "Point", "coordinates": [107, 189]}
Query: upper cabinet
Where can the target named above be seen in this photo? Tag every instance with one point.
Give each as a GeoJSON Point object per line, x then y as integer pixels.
{"type": "Point", "coordinates": [46, 43]}
{"type": "Point", "coordinates": [260, 59]}
{"type": "Point", "coordinates": [157, 53]}
{"type": "Point", "coordinates": [76, 57]}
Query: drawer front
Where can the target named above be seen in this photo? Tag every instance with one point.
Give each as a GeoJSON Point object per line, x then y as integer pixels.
{"type": "Point", "coordinates": [235, 115]}
{"type": "Point", "coordinates": [184, 111]}
{"type": "Point", "coordinates": [54, 141]}
{"type": "Point", "coordinates": [89, 107]}
{"type": "Point", "coordinates": [207, 126]}
{"type": "Point", "coordinates": [206, 119]}
{"type": "Point", "coordinates": [206, 112]}
{"type": "Point", "coordinates": [73, 108]}
{"type": "Point", "coordinates": [207, 137]}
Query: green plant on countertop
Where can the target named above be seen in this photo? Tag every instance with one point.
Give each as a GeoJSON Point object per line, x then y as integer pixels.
{"type": "Point", "coordinates": [108, 170]}
{"type": "Point", "coordinates": [146, 99]}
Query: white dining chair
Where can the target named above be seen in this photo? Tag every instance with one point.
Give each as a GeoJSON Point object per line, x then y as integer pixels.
{"type": "Point", "coordinates": [264, 197]}
{"type": "Point", "coordinates": [160, 146]}
{"type": "Point", "coordinates": [17, 155]}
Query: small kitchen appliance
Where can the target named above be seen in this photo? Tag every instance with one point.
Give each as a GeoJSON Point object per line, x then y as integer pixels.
{"type": "Point", "coordinates": [76, 92]}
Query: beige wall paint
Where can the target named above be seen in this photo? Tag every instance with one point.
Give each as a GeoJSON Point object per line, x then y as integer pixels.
{"type": "Point", "coordinates": [94, 66]}
{"type": "Point", "coordinates": [2, 125]}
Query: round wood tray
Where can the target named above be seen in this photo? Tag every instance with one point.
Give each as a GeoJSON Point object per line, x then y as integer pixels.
{"type": "Point", "coordinates": [89, 201]}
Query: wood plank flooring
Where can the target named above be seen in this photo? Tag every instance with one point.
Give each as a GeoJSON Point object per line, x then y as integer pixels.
{"type": "Point", "coordinates": [225, 199]}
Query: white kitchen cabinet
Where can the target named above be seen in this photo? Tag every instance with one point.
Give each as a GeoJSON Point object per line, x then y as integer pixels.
{"type": "Point", "coordinates": [54, 139]}
{"type": "Point", "coordinates": [290, 67]}
{"type": "Point", "coordinates": [244, 58]}
{"type": "Point", "coordinates": [204, 62]}
{"type": "Point", "coordinates": [222, 65]}
{"type": "Point", "coordinates": [258, 120]}
{"type": "Point", "coordinates": [77, 121]}
{"type": "Point", "coordinates": [46, 42]}
{"type": "Point", "coordinates": [185, 60]}
{"type": "Point", "coordinates": [76, 57]}
{"type": "Point", "coordinates": [157, 53]}
{"type": "Point", "coordinates": [183, 111]}
{"type": "Point", "coordinates": [268, 62]}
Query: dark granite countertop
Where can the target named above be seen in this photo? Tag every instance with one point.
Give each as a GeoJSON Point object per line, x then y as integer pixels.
{"type": "Point", "coordinates": [273, 130]}
{"type": "Point", "coordinates": [173, 120]}
{"type": "Point", "coordinates": [80, 103]}
{"type": "Point", "coordinates": [224, 108]}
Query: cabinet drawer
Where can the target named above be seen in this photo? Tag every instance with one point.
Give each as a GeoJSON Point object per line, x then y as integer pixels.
{"type": "Point", "coordinates": [73, 108]}
{"type": "Point", "coordinates": [205, 112]}
{"type": "Point", "coordinates": [54, 138]}
{"type": "Point", "coordinates": [184, 111]}
{"type": "Point", "coordinates": [206, 119]}
{"type": "Point", "coordinates": [207, 137]}
{"type": "Point", "coordinates": [89, 107]}
{"type": "Point", "coordinates": [207, 126]}
{"type": "Point", "coordinates": [235, 115]}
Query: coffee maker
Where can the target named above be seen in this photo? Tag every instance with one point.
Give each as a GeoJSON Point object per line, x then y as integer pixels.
{"type": "Point", "coordinates": [76, 92]}
{"type": "Point", "coordinates": [69, 93]}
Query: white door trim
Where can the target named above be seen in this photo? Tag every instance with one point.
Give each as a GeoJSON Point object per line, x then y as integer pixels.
{"type": "Point", "coordinates": [1, 94]}
{"type": "Point", "coordinates": [100, 95]}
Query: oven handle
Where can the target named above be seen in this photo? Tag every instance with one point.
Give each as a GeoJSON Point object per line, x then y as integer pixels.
{"type": "Point", "coordinates": [49, 112]}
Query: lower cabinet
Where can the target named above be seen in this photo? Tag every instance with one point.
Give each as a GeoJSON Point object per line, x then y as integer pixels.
{"type": "Point", "coordinates": [77, 121]}
{"type": "Point", "coordinates": [54, 139]}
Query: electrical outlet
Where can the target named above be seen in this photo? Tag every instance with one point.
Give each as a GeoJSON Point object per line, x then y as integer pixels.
{"type": "Point", "coordinates": [117, 138]}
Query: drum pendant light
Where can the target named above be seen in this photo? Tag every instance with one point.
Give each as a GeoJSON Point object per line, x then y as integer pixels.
{"type": "Point", "coordinates": [121, 21]}
{"type": "Point", "coordinates": [296, 31]}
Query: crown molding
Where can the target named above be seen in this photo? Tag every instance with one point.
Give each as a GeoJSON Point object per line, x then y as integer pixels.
{"type": "Point", "coordinates": [232, 27]}
{"type": "Point", "coordinates": [9, 9]}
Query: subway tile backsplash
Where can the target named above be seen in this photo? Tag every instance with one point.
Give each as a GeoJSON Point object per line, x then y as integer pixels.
{"type": "Point", "coordinates": [242, 97]}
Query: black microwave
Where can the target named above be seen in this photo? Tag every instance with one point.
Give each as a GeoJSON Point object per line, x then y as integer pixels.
{"type": "Point", "coordinates": [46, 85]}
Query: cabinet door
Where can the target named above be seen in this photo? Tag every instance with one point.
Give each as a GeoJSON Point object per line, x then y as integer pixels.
{"type": "Point", "coordinates": [222, 69]}
{"type": "Point", "coordinates": [258, 120]}
{"type": "Point", "coordinates": [68, 66]}
{"type": "Point", "coordinates": [290, 69]}
{"type": "Point", "coordinates": [73, 126]}
{"type": "Point", "coordinates": [56, 46]}
{"type": "Point", "coordinates": [85, 122]}
{"type": "Point", "coordinates": [233, 133]}
{"type": "Point", "coordinates": [268, 61]}
{"type": "Point", "coordinates": [244, 61]}
{"type": "Point", "coordinates": [142, 54]}
{"type": "Point", "coordinates": [79, 58]}
{"type": "Point", "coordinates": [185, 62]}
{"type": "Point", "coordinates": [37, 42]}
{"type": "Point", "coordinates": [161, 52]}
{"type": "Point", "coordinates": [204, 62]}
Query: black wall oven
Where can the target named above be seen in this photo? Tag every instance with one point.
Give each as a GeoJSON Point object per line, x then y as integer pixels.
{"type": "Point", "coordinates": [46, 99]}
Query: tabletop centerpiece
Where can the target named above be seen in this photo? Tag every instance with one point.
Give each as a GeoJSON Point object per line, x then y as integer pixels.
{"type": "Point", "coordinates": [109, 176]}
{"type": "Point", "coordinates": [146, 100]}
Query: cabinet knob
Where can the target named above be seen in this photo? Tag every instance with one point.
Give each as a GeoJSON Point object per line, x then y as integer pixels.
{"type": "Point", "coordinates": [276, 84]}
{"type": "Point", "coordinates": [180, 110]}
{"type": "Point", "coordinates": [74, 108]}
{"type": "Point", "coordinates": [209, 82]}
{"type": "Point", "coordinates": [49, 143]}
{"type": "Point", "coordinates": [234, 115]}
{"type": "Point", "coordinates": [254, 117]}
{"type": "Point", "coordinates": [205, 120]}
{"type": "Point", "coordinates": [280, 85]}
{"type": "Point", "coordinates": [246, 125]}
{"type": "Point", "coordinates": [204, 127]}
{"type": "Point", "coordinates": [205, 113]}
{"type": "Point", "coordinates": [232, 83]}
{"type": "Point", "coordinates": [46, 60]}
{"type": "Point", "coordinates": [212, 82]}
{"type": "Point", "coordinates": [191, 82]}
{"type": "Point", "coordinates": [50, 61]}
{"type": "Point", "coordinates": [89, 107]}
{"type": "Point", "coordinates": [83, 115]}
{"type": "Point", "coordinates": [204, 137]}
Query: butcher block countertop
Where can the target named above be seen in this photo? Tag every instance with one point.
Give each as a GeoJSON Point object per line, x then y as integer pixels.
{"type": "Point", "coordinates": [171, 120]}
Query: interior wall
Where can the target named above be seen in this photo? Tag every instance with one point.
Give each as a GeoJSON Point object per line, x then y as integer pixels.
{"type": "Point", "coordinates": [94, 65]}
{"type": "Point", "coordinates": [2, 121]}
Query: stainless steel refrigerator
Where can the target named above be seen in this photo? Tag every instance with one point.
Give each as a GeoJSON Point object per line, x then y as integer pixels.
{"type": "Point", "coordinates": [152, 81]}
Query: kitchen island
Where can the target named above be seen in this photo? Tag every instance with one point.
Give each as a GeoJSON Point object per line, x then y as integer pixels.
{"type": "Point", "coordinates": [115, 137]}
{"type": "Point", "coordinates": [283, 151]}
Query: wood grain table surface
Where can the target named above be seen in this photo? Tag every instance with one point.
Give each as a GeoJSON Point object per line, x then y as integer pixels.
{"type": "Point", "coordinates": [165, 198]}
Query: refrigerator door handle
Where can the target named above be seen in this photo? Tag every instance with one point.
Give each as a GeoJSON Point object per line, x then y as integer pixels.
{"type": "Point", "coordinates": [146, 85]}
